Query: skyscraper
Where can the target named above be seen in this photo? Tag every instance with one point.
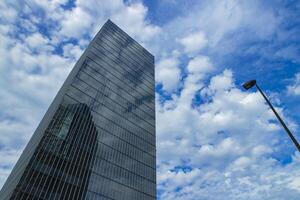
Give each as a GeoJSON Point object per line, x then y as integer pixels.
{"type": "Point", "coordinates": [97, 139]}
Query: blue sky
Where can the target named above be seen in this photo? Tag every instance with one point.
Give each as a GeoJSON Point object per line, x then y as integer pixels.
{"type": "Point", "coordinates": [213, 138]}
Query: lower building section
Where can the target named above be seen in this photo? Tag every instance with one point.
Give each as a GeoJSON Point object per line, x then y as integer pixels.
{"type": "Point", "coordinates": [61, 165]}
{"type": "Point", "coordinates": [76, 159]}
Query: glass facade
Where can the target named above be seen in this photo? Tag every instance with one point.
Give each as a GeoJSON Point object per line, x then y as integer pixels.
{"type": "Point", "coordinates": [97, 140]}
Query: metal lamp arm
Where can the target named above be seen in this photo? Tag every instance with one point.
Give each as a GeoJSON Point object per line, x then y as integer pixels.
{"type": "Point", "coordinates": [280, 120]}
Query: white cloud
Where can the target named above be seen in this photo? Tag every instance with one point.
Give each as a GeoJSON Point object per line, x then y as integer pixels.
{"type": "Point", "coordinates": [200, 64]}
{"type": "Point", "coordinates": [254, 183]}
{"type": "Point", "coordinates": [167, 72]}
{"type": "Point", "coordinates": [133, 20]}
{"type": "Point", "coordinates": [72, 51]}
{"type": "Point", "coordinates": [8, 158]}
{"type": "Point", "coordinates": [222, 27]}
{"type": "Point", "coordinates": [8, 14]}
{"type": "Point", "coordinates": [88, 16]}
{"type": "Point", "coordinates": [227, 141]}
{"type": "Point", "coordinates": [38, 42]}
{"type": "Point", "coordinates": [194, 42]}
{"type": "Point", "coordinates": [76, 23]}
{"type": "Point", "coordinates": [221, 83]}
{"type": "Point", "coordinates": [294, 89]}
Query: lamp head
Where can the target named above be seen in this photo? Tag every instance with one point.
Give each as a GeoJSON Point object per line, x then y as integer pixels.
{"type": "Point", "coordinates": [249, 84]}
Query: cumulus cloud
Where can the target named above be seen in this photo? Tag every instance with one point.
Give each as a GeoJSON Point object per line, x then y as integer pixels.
{"type": "Point", "coordinates": [223, 146]}
{"type": "Point", "coordinates": [8, 158]}
{"type": "Point", "coordinates": [194, 42]}
{"type": "Point", "coordinates": [86, 18]}
{"type": "Point", "coordinates": [38, 42]}
{"type": "Point", "coordinates": [8, 13]}
{"type": "Point", "coordinates": [72, 51]}
{"type": "Point", "coordinates": [200, 64]}
{"type": "Point", "coordinates": [168, 73]}
{"type": "Point", "coordinates": [248, 184]}
{"type": "Point", "coordinates": [76, 23]}
{"type": "Point", "coordinates": [294, 89]}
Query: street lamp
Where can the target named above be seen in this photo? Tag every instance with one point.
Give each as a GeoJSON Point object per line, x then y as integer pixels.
{"type": "Point", "coordinates": [252, 83]}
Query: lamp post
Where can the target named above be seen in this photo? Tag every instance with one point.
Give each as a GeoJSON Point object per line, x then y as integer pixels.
{"type": "Point", "coordinates": [252, 83]}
